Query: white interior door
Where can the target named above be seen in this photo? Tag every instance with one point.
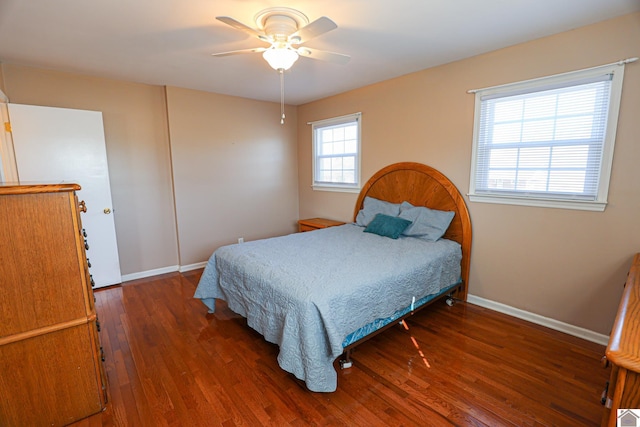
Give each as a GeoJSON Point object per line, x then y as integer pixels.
{"type": "Point", "coordinates": [63, 145]}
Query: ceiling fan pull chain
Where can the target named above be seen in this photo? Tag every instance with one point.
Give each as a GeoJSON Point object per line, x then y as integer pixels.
{"type": "Point", "coordinates": [281, 71]}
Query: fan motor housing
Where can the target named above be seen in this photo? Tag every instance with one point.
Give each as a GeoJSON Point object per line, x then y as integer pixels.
{"type": "Point", "coordinates": [279, 25]}
{"type": "Point", "coordinates": [281, 21]}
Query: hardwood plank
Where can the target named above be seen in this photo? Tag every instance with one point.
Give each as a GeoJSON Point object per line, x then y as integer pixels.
{"type": "Point", "coordinates": [168, 362]}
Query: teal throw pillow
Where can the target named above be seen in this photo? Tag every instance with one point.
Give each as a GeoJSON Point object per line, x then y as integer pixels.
{"type": "Point", "coordinates": [387, 226]}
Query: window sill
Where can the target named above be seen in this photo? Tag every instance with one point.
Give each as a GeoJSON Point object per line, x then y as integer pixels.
{"type": "Point", "coordinates": [336, 188]}
{"type": "Point", "coordinates": [541, 203]}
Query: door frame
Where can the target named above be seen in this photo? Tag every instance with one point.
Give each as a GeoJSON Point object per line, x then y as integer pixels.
{"type": "Point", "coordinates": [8, 168]}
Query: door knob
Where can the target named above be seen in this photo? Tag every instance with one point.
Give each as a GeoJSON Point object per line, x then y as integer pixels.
{"type": "Point", "coordinates": [107, 210]}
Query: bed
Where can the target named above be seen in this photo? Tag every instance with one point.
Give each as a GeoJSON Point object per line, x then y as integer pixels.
{"type": "Point", "coordinates": [319, 294]}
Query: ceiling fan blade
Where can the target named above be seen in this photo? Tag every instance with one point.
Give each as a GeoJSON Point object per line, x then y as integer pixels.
{"type": "Point", "coordinates": [336, 58]}
{"type": "Point", "coordinates": [242, 27]}
{"type": "Point", "coordinates": [236, 52]}
{"type": "Point", "coordinates": [319, 26]}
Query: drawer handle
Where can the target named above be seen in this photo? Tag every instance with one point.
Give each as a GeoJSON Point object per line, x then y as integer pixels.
{"type": "Point", "coordinates": [603, 397]}
{"type": "Point", "coordinates": [83, 206]}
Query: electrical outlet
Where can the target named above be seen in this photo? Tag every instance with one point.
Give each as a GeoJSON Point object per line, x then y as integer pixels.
{"type": "Point", "coordinates": [240, 239]}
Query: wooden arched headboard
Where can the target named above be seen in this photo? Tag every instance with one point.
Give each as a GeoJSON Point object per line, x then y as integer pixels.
{"type": "Point", "coordinates": [422, 185]}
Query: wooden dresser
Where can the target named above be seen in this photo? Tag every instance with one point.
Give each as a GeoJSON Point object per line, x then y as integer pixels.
{"type": "Point", "coordinates": [51, 369]}
{"type": "Point", "coordinates": [623, 351]}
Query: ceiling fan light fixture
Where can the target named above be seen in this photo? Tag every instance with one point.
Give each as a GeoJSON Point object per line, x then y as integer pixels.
{"type": "Point", "coordinates": [284, 28]}
{"type": "Point", "coordinates": [280, 58]}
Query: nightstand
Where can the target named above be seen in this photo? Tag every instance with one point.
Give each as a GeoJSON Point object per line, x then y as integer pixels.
{"type": "Point", "coordinates": [316, 223]}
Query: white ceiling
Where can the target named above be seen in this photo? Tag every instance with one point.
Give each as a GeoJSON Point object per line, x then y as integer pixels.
{"type": "Point", "coordinates": [169, 42]}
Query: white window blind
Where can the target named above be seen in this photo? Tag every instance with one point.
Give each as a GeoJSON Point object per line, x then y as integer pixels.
{"type": "Point", "coordinates": [336, 153]}
{"type": "Point", "coordinates": [547, 142]}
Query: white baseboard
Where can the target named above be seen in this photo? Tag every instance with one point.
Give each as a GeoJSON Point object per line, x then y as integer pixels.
{"type": "Point", "coordinates": [163, 270]}
{"type": "Point", "coordinates": [149, 273]}
{"type": "Point", "coordinates": [192, 266]}
{"type": "Point", "coordinates": [576, 331]}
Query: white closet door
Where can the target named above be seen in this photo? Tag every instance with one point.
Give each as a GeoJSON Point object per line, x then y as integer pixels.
{"type": "Point", "coordinates": [63, 145]}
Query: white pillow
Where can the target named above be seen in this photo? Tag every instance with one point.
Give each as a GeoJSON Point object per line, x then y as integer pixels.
{"type": "Point", "coordinates": [429, 224]}
{"type": "Point", "coordinates": [372, 207]}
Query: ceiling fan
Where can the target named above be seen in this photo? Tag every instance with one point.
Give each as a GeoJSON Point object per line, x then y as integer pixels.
{"type": "Point", "coordinates": [286, 30]}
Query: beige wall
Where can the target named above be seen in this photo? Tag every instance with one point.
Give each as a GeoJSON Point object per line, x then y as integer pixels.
{"type": "Point", "coordinates": [563, 264]}
{"type": "Point", "coordinates": [2, 80]}
{"type": "Point", "coordinates": [137, 150]}
{"type": "Point", "coordinates": [234, 166]}
{"type": "Point", "coordinates": [234, 170]}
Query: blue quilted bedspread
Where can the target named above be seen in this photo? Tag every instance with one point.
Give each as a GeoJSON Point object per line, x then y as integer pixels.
{"type": "Point", "coordinates": [307, 291]}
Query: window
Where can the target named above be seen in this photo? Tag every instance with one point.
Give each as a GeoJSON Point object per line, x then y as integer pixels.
{"type": "Point", "coordinates": [547, 142]}
{"type": "Point", "coordinates": [336, 153]}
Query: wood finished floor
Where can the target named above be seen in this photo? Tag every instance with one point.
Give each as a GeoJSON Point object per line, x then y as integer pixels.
{"type": "Point", "coordinates": [169, 363]}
